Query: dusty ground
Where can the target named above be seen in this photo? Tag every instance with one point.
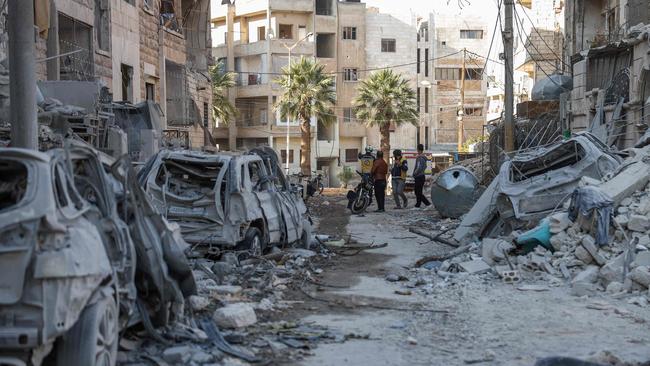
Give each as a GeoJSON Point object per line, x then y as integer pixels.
{"type": "Point", "coordinates": [485, 322]}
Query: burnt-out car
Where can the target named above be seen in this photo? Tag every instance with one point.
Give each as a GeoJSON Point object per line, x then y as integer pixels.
{"type": "Point", "coordinates": [227, 201]}
{"type": "Point", "coordinates": [73, 273]}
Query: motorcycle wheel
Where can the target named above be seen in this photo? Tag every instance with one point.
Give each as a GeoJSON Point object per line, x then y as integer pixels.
{"type": "Point", "coordinates": [360, 204]}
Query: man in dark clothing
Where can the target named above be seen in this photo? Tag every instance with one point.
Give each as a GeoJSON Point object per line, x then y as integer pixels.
{"type": "Point", "coordinates": [419, 177]}
{"type": "Point", "coordinates": [379, 173]}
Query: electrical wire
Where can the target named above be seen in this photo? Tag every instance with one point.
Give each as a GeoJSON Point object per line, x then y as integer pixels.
{"type": "Point", "coordinates": [543, 40]}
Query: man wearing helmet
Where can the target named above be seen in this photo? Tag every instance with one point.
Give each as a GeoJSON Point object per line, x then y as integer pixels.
{"type": "Point", "coordinates": [366, 160]}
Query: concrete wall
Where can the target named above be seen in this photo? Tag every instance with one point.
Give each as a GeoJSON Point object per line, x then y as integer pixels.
{"type": "Point", "coordinates": [125, 47]}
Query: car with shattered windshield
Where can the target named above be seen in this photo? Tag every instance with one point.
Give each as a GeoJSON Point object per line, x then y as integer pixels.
{"type": "Point", "coordinates": [235, 201]}
{"type": "Point", "coordinates": [83, 256]}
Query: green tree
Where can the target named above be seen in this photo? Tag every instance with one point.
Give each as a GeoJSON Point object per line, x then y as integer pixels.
{"type": "Point", "coordinates": [221, 81]}
{"type": "Point", "coordinates": [383, 99]}
{"type": "Point", "coordinates": [307, 91]}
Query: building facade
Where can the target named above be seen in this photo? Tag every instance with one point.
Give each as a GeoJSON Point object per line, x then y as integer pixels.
{"type": "Point", "coordinates": [138, 49]}
{"type": "Point", "coordinates": [608, 53]}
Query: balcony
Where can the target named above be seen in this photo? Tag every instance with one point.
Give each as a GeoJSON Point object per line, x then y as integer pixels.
{"type": "Point", "coordinates": [303, 6]}
{"type": "Point", "coordinates": [327, 149]}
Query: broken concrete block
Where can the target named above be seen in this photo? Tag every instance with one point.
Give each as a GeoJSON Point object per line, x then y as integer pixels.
{"type": "Point", "coordinates": [493, 250]}
{"type": "Point", "coordinates": [559, 222]}
{"type": "Point", "coordinates": [615, 287]}
{"type": "Point", "coordinates": [638, 223]}
{"type": "Point", "coordinates": [588, 275]}
{"type": "Point", "coordinates": [590, 245]}
{"type": "Point", "coordinates": [626, 201]}
{"type": "Point", "coordinates": [222, 270]}
{"type": "Point", "coordinates": [198, 303]}
{"type": "Point", "coordinates": [622, 220]}
{"type": "Point", "coordinates": [622, 210]}
{"type": "Point", "coordinates": [580, 289]}
{"type": "Point", "coordinates": [582, 254]}
{"type": "Point", "coordinates": [477, 266]}
{"type": "Point", "coordinates": [560, 239]}
{"type": "Point", "coordinates": [631, 179]}
{"type": "Point", "coordinates": [235, 316]}
{"type": "Point", "coordinates": [612, 271]}
{"type": "Point", "coordinates": [178, 355]}
{"type": "Point", "coordinates": [641, 275]}
{"type": "Point", "coordinates": [642, 259]}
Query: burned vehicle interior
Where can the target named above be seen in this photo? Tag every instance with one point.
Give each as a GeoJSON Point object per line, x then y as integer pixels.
{"type": "Point", "coordinates": [13, 183]}
{"type": "Point", "coordinates": [563, 156]}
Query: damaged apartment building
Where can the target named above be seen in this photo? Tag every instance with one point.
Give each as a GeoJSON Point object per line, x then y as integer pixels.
{"type": "Point", "coordinates": [251, 39]}
{"type": "Point", "coordinates": [608, 49]}
{"type": "Point", "coordinates": [137, 52]}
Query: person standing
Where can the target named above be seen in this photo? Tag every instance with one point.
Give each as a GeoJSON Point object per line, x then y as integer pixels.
{"type": "Point", "coordinates": [419, 177]}
{"type": "Point", "coordinates": [398, 173]}
{"type": "Point", "coordinates": [379, 173]}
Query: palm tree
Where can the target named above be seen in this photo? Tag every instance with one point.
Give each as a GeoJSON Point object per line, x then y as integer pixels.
{"type": "Point", "coordinates": [386, 98]}
{"type": "Point", "coordinates": [307, 92]}
{"type": "Point", "coordinates": [221, 81]}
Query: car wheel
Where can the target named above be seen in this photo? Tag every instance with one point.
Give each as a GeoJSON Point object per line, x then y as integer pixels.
{"type": "Point", "coordinates": [93, 339]}
{"type": "Point", "coordinates": [253, 242]}
{"type": "Point", "coordinates": [305, 238]}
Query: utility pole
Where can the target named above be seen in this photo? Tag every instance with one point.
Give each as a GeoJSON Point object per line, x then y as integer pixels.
{"type": "Point", "coordinates": [461, 104]}
{"type": "Point", "coordinates": [22, 75]}
{"type": "Point", "coordinates": [230, 67]}
{"type": "Point", "coordinates": [509, 125]}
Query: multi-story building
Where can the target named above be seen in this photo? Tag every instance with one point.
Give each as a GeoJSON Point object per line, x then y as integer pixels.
{"type": "Point", "coordinates": [457, 43]}
{"type": "Point", "coordinates": [608, 52]}
{"type": "Point", "coordinates": [138, 49]}
{"type": "Point", "coordinates": [252, 38]}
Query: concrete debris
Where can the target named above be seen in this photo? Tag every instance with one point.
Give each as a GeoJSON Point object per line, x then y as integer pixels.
{"type": "Point", "coordinates": [235, 316]}
{"type": "Point", "coordinates": [178, 355]}
{"type": "Point", "coordinates": [476, 266]}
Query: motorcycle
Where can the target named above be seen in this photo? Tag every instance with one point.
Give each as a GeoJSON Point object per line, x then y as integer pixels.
{"type": "Point", "coordinates": [361, 197]}
{"type": "Point", "coordinates": [315, 185]}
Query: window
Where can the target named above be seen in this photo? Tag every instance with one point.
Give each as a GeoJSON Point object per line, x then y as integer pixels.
{"type": "Point", "coordinates": [473, 111]}
{"type": "Point", "coordinates": [75, 36]}
{"type": "Point", "coordinates": [351, 155]}
{"type": "Point", "coordinates": [206, 115]}
{"type": "Point", "coordinates": [286, 31]}
{"type": "Point", "coordinates": [102, 25]}
{"type": "Point", "coordinates": [388, 45]}
{"type": "Point", "coordinates": [444, 43]}
{"type": "Point", "coordinates": [325, 45]}
{"type": "Point", "coordinates": [473, 74]}
{"type": "Point", "coordinates": [418, 61]}
{"type": "Point", "coordinates": [302, 32]}
{"type": "Point", "coordinates": [283, 154]}
{"type": "Point", "coordinates": [127, 82]}
{"type": "Point", "coordinates": [324, 7]}
{"type": "Point", "coordinates": [349, 115]}
{"type": "Point", "coordinates": [150, 92]}
{"type": "Point", "coordinates": [350, 74]}
{"type": "Point", "coordinates": [264, 117]}
{"type": "Point", "coordinates": [426, 100]}
{"type": "Point", "coordinates": [426, 62]}
{"type": "Point", "coordinates": [261, 33]}
{"type": "Point", "coordinates": [349, 32]}
{"type": "Point", "coordinates": [447, 73]}
{"type": "Point", "coordinates": [471, 34]}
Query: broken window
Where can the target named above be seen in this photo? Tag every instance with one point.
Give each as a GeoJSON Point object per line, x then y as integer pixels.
{"type": "Point", "coordinates": [471, 34]}
{"type": "Point", "coordinates": [127, 82]}
{"type": "Point", "coordinates": [474, 111]}
{"type": "Point", "coordinates": [259, 180]}
{"type": "Point", "coordinates": [13, 183]}
{"type": "Point", "coordinates": [350, 74]}
{"type": "Point", "coordinates": [349, 32]}
{"type": "Point", "coordinates": [76, 42]}
{"type": "Point", "coordinates": [286, 31]}
{"type": "Point", "coordinates": [325, 45]}
{"type": "Point", "coordinates": [102, 25]}
{"type": "Point", "coordinates": [388, 45]}
{"type": "Point", "coordinates": [168, 16]}
{"type": "Point", "coordinates": [351, 155]}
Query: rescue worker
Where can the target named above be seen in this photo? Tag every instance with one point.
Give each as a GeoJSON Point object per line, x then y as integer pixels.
{"type": "Point", "coordinates": [367, 160]}
{"type": "Point", "coordinates": [398, 174]}
{"type": "Point", "coordinates": [379, 173]}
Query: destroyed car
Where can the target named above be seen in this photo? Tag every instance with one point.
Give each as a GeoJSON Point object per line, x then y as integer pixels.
{"type": "Point", "coordinates": [74, 274]}
{"type": "Point", "coordinates": [535, 182]}
{"type": "Point", "coordinates": [227, 201]}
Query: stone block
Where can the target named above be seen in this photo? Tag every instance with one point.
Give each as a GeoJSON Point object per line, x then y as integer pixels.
{"type": "Point", "coordinates": [476, 266]}
{"type": "Point", "coordinates": [612, 271]}
{"type": "Point", "coordinates": [590, 245]}
{"type": "Point", "coordinates": [641, 275]}
{"type": "Point", "coordinates": [638, 223]}
{"type": "Point", "coordinates": [588, 275]}
{"type": "Point", "coordinates": [178, 355]}
{"type": "Point", "coordinates": [582, 254]}
{"type": "Point", "coordinates": [235, 316]}
{"type": "Point", "coordinates": [642, 259]}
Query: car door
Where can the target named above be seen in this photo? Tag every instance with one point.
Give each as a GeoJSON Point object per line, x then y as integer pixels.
{"type": "Point", "coordinates": [263, 189]}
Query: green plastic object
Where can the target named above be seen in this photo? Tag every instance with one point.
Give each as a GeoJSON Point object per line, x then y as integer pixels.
{"type": "Point", "coordinates": [539, 235]}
